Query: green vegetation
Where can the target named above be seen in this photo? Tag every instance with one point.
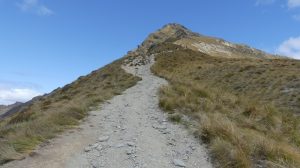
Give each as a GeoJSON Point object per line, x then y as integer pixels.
{"type": "Point", "coordinates": [61, 109]}
{"type": "Point", "coordinates": [246, 108]}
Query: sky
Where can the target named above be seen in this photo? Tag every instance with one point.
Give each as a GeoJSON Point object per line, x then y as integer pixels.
{"type": "Point", "coordinates": [45, 44]}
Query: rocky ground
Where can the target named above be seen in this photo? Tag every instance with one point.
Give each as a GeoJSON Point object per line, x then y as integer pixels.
{"type": "Point", "coordinates": [129, 131]}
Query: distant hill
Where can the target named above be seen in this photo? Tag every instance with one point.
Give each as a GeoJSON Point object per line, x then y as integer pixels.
{"type": "Point", "coordinates": [5, 108]}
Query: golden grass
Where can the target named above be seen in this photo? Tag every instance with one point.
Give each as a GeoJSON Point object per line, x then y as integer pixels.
{"type": "Point", "coordinates": [61, 109]}
{"type": "Point", "coordinates": [243, 115]}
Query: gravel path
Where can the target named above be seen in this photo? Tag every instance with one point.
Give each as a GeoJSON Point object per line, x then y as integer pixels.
{"type": "Point", "coordinates": [129, 131]}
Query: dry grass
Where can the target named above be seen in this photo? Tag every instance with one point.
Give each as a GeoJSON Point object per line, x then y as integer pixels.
{"type": "Point", "coordinates": [61, 109]}
{"type": "Point", "coordinates": [245, 108]}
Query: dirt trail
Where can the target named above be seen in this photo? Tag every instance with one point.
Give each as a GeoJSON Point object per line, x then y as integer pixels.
{"type": "Point", "coordinates": [129, 131]}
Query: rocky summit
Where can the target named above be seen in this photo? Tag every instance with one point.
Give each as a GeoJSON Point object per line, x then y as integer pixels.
{"type": "Point", "coordinates": [184, 37]}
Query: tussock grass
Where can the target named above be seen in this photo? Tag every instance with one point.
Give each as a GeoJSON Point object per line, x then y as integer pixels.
{"type": "Point", "coordinates": [236, 103]}
{"type": "Point", "coordinates": [49, 115]}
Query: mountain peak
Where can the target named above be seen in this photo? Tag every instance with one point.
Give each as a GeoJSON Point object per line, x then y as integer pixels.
{"type": "Point", "coordinates": [169, 32]}
{"type": "Point", "coordinates": [174, 27]}
{"type": "Point", "coordinates": [178, 34]}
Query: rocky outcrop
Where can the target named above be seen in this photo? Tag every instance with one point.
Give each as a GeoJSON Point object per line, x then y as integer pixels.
{"type": "Point", "coordinates": [180, 35]}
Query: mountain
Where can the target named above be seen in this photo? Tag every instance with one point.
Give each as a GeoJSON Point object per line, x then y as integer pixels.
{"type": "Point", "coordinates": [5, 108]}
{"type": "Point", "coordinates": [180, 35]}
{"type": "Point", "coordinates": [2, 109]}
{"type": "Point", "coordinates": [245, 102]}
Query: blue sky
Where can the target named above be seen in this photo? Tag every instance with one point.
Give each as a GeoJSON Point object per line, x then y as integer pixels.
{"type": "Point", "coordinates": [45, 44]}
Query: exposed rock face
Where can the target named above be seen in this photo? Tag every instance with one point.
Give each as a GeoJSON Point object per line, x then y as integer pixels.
{"type": "Point", "coordinates": [170, 32]}
{"type": "Point", "coordinates": [180, 35]}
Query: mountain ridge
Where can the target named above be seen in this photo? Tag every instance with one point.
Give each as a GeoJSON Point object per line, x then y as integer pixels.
{"type": "Point", "coordinates": [214, 46]}
{"type": "Point", "coordinates": [5, 108]}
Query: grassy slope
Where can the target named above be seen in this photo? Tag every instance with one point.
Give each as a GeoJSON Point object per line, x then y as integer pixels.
{"type": "Point", "coordinates": [62, 109]}
{"type": "Point", "coordinates": [245, 107]}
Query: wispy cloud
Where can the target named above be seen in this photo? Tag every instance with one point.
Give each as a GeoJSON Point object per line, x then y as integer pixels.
{"type": "Point", "coordinates": [35, 6]}
{"type": "Point", "coordinates": [290, 47]}
{"type": "Point", "coordinates": [16, 95]}
{"type": "Point", "coordinates": [290, 3]}
{"type": "Point", "coordinates": [293, 3]}
{"type": "Point", "coordinates": [264, 2]}
{"type": "Point", "coordinates": [297, 17]}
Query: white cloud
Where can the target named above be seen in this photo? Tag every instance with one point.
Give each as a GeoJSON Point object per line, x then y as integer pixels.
{"type": "Point", "coordinates": [293, 3]}
{"type": "Point", "coordinates": [290, 47]}
{"type": "Point", "coordinates": [35, 6]}
{"type": "Point", "coordinates": [12, 95]}
{"type": "Point", "coordinates": [11, 92]}
{"type": "Point", "coordinates": [264, 2]}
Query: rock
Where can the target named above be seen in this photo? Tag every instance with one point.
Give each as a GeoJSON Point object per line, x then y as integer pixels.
{"type": "Point", "coordinates": [178, 163]}
{"type": "Point", "coordinates": [33, 154]}
{"type": "Point", "coordinates": [119, 145]}
{"type": "Point", "coordinates": [171, 144]}
{"type": "Point", "coordinates": [94, 164]}
{"type": "Point", "coordinates": [95, 145]}
{"type": "Point", "coordinates": [160, 127]}
{"type": "Point", "coordinates": [87, 149]}
{"type": "Point", "coordinates": [99, 148]}
{"type": "Point", "coordinates": [129, 152]}
{"type": "Point", "coordinates": [130, 143]}
{"type": "Point", "coordinates": [165, 132]}
{"type": "Point", "coordinates": [103, 138]}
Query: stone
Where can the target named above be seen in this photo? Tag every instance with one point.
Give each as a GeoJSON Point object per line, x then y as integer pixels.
{"type": "Point", "coordinates": [95, 145]}
{"type": "Point", "coordinates": [87, 149]}
{"type": "Point", "coordinates": [33, 154]}
{"type": "Point", "coordinates": [178, 163]}
{"type": "Point", "coordinates": [129, 152]}
{"type": "Point", "coordinates": [119, 145]}
{"type": "Point", "coordinates": [99, 148]}
{"type": "Point", "coordinates": [130, 143]}
{"type": "Point", "coordinates": [103, 138]}
{"type": "Point", "coordinates": [165, 132]}
{"type": "Point", "coordinates": [160, 127]}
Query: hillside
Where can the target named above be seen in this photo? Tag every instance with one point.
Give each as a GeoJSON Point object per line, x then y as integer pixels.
{"type": "Point", "coordinates": [244, 121]}
{"type": "Point", "coordinates": [5, 108]}
{"type": "Point", "coordinates": [241, 102]}
{"type": "Point", "coordinates": [246, 101]}
{"type": "Point", "coordinates": [49, 115]}
{"type": "Point", "coordinates": [247, 106]}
